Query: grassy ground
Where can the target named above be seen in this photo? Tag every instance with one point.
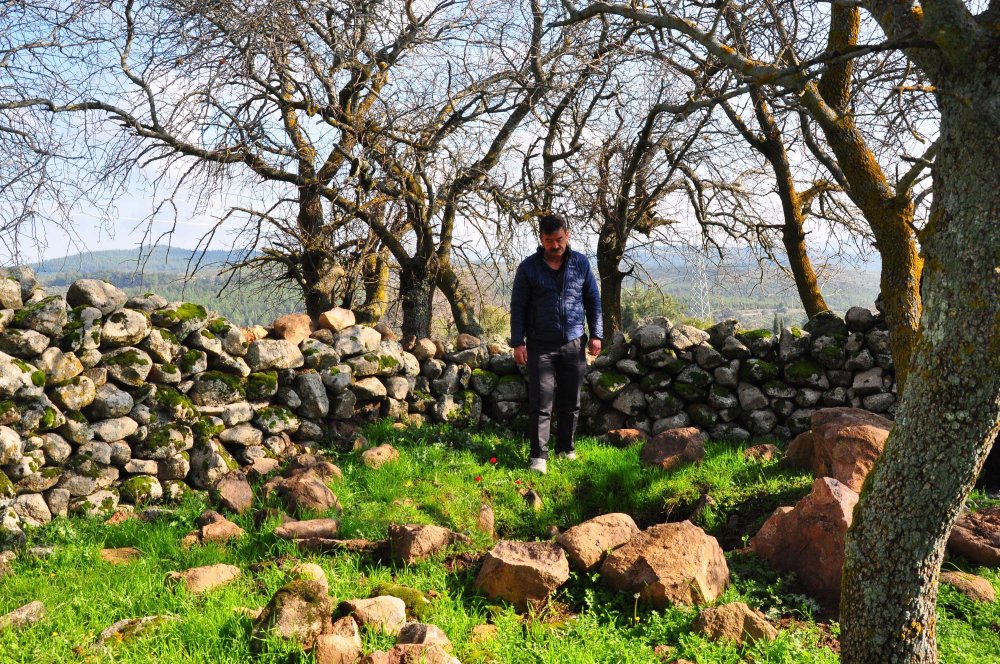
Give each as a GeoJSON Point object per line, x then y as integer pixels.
{"type": "Point", "coordinates": [444, 477]}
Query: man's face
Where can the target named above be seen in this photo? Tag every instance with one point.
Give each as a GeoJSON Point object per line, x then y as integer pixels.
{"type": "Point", "coordinates": [554, 244]}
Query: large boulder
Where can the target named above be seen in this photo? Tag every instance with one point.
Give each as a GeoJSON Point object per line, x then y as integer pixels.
{"type": "Point", "coordinates": [521, 572]}
{"type": "Point", "coordinates": [674, 447]}
{"type": "Point", "coordinates": [843, 443]}
{"type": "Point", "coordinates": [671, 563]}
{"type": "Point", "coordinates": [976, 535]}
{"type": "Point", "coordinates": [587, 543]}
{"type": "Point", "coordinates": [808, 539]}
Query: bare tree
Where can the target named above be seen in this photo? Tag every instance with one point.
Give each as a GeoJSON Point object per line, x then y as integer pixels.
{"type": "Point", "coordinates": [949, 413]}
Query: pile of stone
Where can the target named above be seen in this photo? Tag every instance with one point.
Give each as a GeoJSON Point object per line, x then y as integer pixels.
{"type": "Point", "coordinates": [736, 384]}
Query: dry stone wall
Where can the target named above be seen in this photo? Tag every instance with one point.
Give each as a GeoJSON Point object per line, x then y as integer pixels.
{"type": "Point", "coordinates": [106, 398]}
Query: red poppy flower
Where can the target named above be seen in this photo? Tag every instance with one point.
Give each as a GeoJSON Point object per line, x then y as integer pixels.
{"type": "Point", "coordinates": [517, 481]}
{"type": "Point", "coordinates": [493, 459]}
{"type": "Point", "coordinates": [478, 478]}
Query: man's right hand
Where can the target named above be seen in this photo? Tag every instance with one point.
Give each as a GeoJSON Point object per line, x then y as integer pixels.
{"type": "Point", "coordinates": [521, 355]}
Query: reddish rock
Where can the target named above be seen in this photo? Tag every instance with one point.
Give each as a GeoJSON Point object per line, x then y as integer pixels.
{"type": "Point", "coordinates": [121, 556]}
{"type": "Point", "coordinates": [203, 579]}
{"type": "Point", "coordinates": [411, 653]}
{"type": "Point", "coordinates": [292, 327]}
{"type": "Point", "coordinates": [485, 522]}
{"type": "Point", "coordinates": [626, 437]}
{"type": "Point", "coordinates": [336, 319]}
{"type": "Point", "coordinates": [297, 530]}
{"type": "Point", "coordinates": [671, 563]}
{"type": "Point", "coordinates": [220, 531]}
{"type": "Point", "coordinates": [519, 572]}
{"type": "Point", "coordinates": [25, 616]}
{"type": "Point", "coordinates": [334, 649]}
{"type": "Point", "coordinates": [974, 587]}
{"type": "Point", "coordinates": [800, 451]}
{"type": "Point", "coordinates": [587, 543]}
{"type": "Point", "coordinates": [976, 535]}
{"type": "Point", "coordinates": [386, 332]}
{"type": "Point", "coordinates": [734, 622]}
{"type": "Point", "coordinates": [306, 491]}
{"type": "Point", "coordinates": [383, 613]}
{"type": "Point", "coordinates": [233, 492]}
{"type": "Point", "coordinates": [845, 444]}
{"type": "Point", "coordinates": [765, 452]}
{"type": "Point", "coordinates": [467, 342]}
{"type": "Point", "coordinates": [674, 447]}
{"type": "Point", "coordinates": [808, 539]}
{"type": "Point", "coordinates": [423, 633]}
{"type": "Point", "coordinates": [311, 572]}
{"type": "Point", "coordinates": [409, 543]}
{"type": "Point", "coordinates": [377, 456]}
{"type": "Point", "coordinates": [424, 349]}
{"type": "Point", "coordinates": [263, 467]}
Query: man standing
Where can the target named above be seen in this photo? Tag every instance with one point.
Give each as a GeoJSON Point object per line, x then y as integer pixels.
{"type": "Point", "coordinates": [554, 290]}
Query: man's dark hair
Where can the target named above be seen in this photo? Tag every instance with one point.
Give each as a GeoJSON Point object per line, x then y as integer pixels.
{"type": "Point", "coordinates": [550, 223]}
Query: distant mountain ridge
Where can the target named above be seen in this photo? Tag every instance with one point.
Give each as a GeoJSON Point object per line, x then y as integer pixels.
{"type": "Point", "coordinates": [172, 260]}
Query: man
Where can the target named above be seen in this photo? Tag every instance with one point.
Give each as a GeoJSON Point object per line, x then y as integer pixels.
{"type": "Point", "coordinates": [554, 290]}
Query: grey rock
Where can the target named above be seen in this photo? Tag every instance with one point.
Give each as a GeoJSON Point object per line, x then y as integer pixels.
{"type": "Point", "coordinates": [631, 368]}
{"type": "Point", "coordinates": [826, 323]}
{"type": "Point", "coordinates": [792, 344]}
{"type": "Point", "coordinates": [877, 342]}
{"type": "Point", "coordinates": [862, 361]}
{"type": "Point", "coordinates": [164, 441]}
{"type": "Point", "coordinates": [432, 368]}
{"type": "Point", "coordinates": [99, 503]}
{"type": "Point", "coordinates": [734, 349]}
{"type": "Point", "coordinates": [173, 468]}
{"type": "Point", "coordinates": [114, 429]}
{"type": "Point", "coordinates": [684, 337]}
{"type": "Point", "coordinates": [56, 449]}
{"type": "Point", "coordinates": [98, 451]}
{"type": "Point", "coordinates": [23, 343]}
{"type": "Point", "coordinates": [730, 432]}
{"type": "Point", "coordinates": [58, 501]}
{"type": "Point", "coordinates": [32, 509]}
{"type": "Point", "coordinates": [727, 376]}
{"type": "Point", "coordinates": [750, 396]}
{"type": "Point", "coordinates": [141, 467]}
{"type": "Point", "coordinates": [836, 396]}
{"type": "Point", "coordinates": [96, 293]}
{"type": "Point", "coordinates": [78, 393]}
{"type": "Point", "coordinates": [121, 453]}
{"type": "Point", "coordinates": [650, 337]}
{"type": "Point", "coordinates": [47, 316]}
{"type": "Point", "coordinates": [336, 379]}
{"type": "Point", "coordinates": [630, 401]}
{"type": "Point", "coordinates": [707, 357]}
{"type": "Point", "coordinates": [124, 328]}
{"type": "Point", "coordinates": [677, 421]}
{"type": "Point", "coordinates": [128, 366]}
{"type": "Point", "coordinates": [718, 333]}
{"type": "Point", "coordinates": [356, 340]}
{"type": "Point", "coordinates": [859, 319]}
{"type": "Point", "coordinates": [110, 401]}
{"type": "Point", "coordinates": [236, 413]}
{"type": "Point", "coordinates": [397, 387]}
{"type": "Point", "coordinates": [840, 377]}
{"type": "Point", "coordinates": [147, 303]}
{"type": "Point", "coordinates": [236, 366]}
{"type": "Point", "coordinates": [162, 345]}
{"type": "Point", "coordinates": [762, 421]}
{"type": "Point", "coordinates": [868, 382]}
{"type": "Point", "coordinates": [318, 355]}
{"type": "Point", "coordinates": [663, 404]}
{"type": "Point", "coordinates": [58, 366]}
{"type": "Point", "coordinates": [10, 293]}
{"type": "Point", "coordinates": [720, 397]}
{"type": "Point", "coordinates": [807, 398]}
{"type": "Point", "coordinates": [244, 435]}
{"type": "Point", "coordinates": [342, 406]}
{"type": "Point", "coordinates": [265, 354]}
{"type": "Point", "coordinates": [181, 318]}
{"type": "Point", "coordinates": [289, 397]}
{"type": "Point", "coordinates": [203, 339]}
{"type": "Point", "coordinates": [879, 403]}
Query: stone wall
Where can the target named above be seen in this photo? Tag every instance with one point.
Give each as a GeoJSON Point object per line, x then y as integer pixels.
{"type": "Point", "coordinates": [105, 398]}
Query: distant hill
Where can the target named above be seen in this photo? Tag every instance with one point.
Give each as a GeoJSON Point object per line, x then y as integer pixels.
{"type": "Point", "coordinates": [172, 260]}
{"type": "Point", "coordinates": [163, 270]}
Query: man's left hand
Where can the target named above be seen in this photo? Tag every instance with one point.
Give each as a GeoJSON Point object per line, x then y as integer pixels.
{"type": "Point", "coordinates": [594, 347]}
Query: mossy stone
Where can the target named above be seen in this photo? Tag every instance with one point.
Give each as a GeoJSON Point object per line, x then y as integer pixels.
{"type": "Point", "coordinates": [261, 385]}
{"type": "Point", "coordinates": [418, 605]}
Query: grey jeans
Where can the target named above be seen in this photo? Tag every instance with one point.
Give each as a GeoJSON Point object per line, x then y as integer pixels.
{"type": "Point", "coordinates": [555, 374]}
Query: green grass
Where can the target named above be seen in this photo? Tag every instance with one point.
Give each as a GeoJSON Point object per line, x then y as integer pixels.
{"type": "Point", "coordinates": [444, 476]}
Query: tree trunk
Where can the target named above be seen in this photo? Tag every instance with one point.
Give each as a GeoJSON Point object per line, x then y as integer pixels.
{"type": "Point", "coordinates": [610, 252]}
{"type": "Point", "coordinates": [375, 276]}
{"type": "Point", "coordinates": [794, 239]}
{"type": "Point", "coordinates": [461, 300]}
{"type": "Point", "coordinates": [416, 288]}
{"type": "Point", "coordinates": [318, 271]}
{"type": "Point", "coordinates": [950, 408]}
